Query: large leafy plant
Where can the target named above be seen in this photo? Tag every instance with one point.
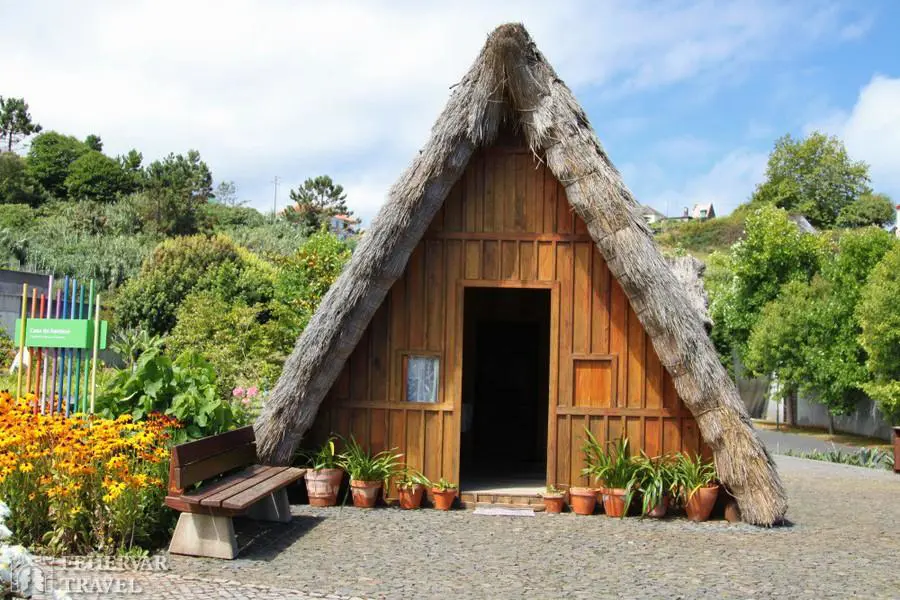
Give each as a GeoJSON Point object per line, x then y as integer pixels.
{"type": "Point", "coordinates": [654, 478]}
{"type": "Point", "coordinates": [184, 388]}
{"type": "Point", "coordinates": [324, 457]}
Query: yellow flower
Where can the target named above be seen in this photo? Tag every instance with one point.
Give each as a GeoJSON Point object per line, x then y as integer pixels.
{"type": "Point", "coordinates": [26, 467]}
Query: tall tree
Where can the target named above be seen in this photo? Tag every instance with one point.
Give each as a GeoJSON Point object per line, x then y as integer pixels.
{"type": "Point", "coordinates": [226, 193]}
{"type": "Point", "coordinates": [15, 122]}
{"type": "Point", "coordinates": [868, 209]}
{"type": "Point", "coordinates": [95, 176]}
{"type": "Point", "coordinates": [814, 176]}
{"type": "Point", "coordinates": [317, 200]}
{"type": "Point", "coordinates": [94, 142]}
{"type": "Point", "coordinates": [17, 186]}
{"type": "Point", "coordinates": [880, 322]}
{"type": "Point", "coordinates": [49, 158]}
{"type": "Point", "coordinates": [177, 186]}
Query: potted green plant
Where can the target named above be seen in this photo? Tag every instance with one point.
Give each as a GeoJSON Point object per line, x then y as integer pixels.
{"type": "Point", "coordinates": [323, 478]}
{"type": "Point", "coordinates": [614, 470]}
{"type": "Point", "coordinates": [554, 499]}
{"type": "Point", "coordinates": [444, 493]}
{"type": "Point", "coordinates": [368, 472]}
{"type": "Point", "coordinates": [411, 485]}
{"type": "Point", "coordinates": [698, 488]}
{"type": "Point", "coordinates": [654, 479]}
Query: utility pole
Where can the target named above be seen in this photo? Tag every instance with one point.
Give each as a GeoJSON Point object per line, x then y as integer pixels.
{"type": "Point", "coordinates": [275, 201]}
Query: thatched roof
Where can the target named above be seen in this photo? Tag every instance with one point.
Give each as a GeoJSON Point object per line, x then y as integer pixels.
{"type": "Point", "coordinates": [511, 82]}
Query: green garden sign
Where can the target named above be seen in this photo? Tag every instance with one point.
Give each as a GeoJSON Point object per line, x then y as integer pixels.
{"type": "Point", "coordinates": [61, 333]}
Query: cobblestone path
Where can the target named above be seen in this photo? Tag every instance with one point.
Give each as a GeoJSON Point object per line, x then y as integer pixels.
{"type": "Point", "coordinates": [843, 542]}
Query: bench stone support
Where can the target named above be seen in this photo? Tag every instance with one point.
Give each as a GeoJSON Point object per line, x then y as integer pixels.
{"type": "Point", "coordinates": [274, 507]}
{"type": "Point", "coordinates": [204, 535]}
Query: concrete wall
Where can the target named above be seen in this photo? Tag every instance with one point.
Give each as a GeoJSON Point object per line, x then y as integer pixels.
{"type": "Point", "coordinates": [11, 295]}
{"type": "Point", "coordinates": [865, 420]}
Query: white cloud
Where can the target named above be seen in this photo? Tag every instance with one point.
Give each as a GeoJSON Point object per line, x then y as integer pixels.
{"type": "Point", "coordinates": [349, 88]}
{"type": "Point", "coordinates": [728, 183]}
{"type": "Point", "coordinates": [871, 131]}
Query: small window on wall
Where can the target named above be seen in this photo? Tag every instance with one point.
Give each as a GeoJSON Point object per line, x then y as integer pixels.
{"type": "Point", "coordinates": [421, 378]}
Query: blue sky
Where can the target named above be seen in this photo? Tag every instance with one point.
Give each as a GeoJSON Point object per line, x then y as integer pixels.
{"type": "Point", "coordinates": [687, 96]}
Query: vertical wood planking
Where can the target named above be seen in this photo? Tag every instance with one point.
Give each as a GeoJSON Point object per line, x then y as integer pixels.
{"type": "Point", "coordinates": [581, 317]}
{"type": "Point", "coordinates": [654, 371]}
{"type": "Point", "coordinates": [526, 261]}
{"type": "Point", "coordinates": [433, 435]}
{"type": "Point", "coordinates": [380, 345]}
{"type": "Point", "coordinates": [473, 259]}
{"type": "Point", "coordinates": [491, 258]}
{"type": "Point", "coordinates": [618, 338]}
{"type": "Point", "coordinates": [564, 214]}
{"type": "Point", "coordinates": [359, 370]}
{"type": "Point", "coordinates": [416, 297]}
{"type": "Point", "coordinates": [435, 295]}
{"type": "Point", "coordinates": [489, 182]}
{"type": "Point", "coordinates": [564, 276]}
{"type": "Point", "coordinates": [636, 361]}
{"type": "Point", "coordinates": [546, 261]}
{"type": "Point", "coordinates": [548, 191]}
{"type": "Point", "coordinates": [600, 289]}
{"type": "Point", "coordinates": [509, 260]}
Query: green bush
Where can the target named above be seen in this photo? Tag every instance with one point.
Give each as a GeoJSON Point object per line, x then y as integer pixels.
{"type": "Point", "coordinates": [17, 184]}
{"type": "Point", "coordinates": [49, 158]}
{"type": "Point", "coordinates": [243, 349]}
{"type": "Point", "coordinates": [305, 276]}
{"type": "Point", "coordinates": [95, 176]}
{"type": "Point", "coordinates": [703, 237]}
{"type": "Point", "coordinates": [172, 271]}
{"type": "Point", "coordinates": [184, 388]}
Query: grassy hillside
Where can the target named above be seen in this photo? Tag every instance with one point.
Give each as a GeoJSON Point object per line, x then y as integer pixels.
{"type": "Point", "coordinates": [701, 238]}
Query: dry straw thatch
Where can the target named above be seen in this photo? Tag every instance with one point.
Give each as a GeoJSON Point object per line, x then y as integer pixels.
{"type": "Point", "coordinates": [512, 82]}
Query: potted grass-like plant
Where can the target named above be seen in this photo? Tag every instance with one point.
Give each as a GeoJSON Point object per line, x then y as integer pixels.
{"type": "Point", "coordinates": [411, 485]}
{"type": "Point", "coordinates": [554, 499]}
{"type": "Point", "coordinates": [323, 478]}
{"type": "Point", "coordinates": [654, 478]}
{"type": "Point", "coordinates": [444, 493]}
{"type": "Point", "coordinates": [695, 480]}
{"type": "Point", "coordinates": [368, 472]}
{"type": "Point", "coordinates": [614, 470]}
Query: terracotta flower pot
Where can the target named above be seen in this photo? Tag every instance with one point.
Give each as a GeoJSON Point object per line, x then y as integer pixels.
{"type": "Point", "coordinates": [659, 511]}
{"type": "Point", "coordinates": [554, 503]}
{"type": "Point", "coordinates": [614, 502]}
{"type": "Point", "coordinates": [896, 449]}
{"type": "Point", "coordinates": [583, 500]}
{"type": "Point", "coordinates": [443, 499]}
{"type": "Point", "coordinates": [322, 486]}
{"type": "Point", "coordinates": [700, 504]}
{"type": "Point", "coordinates": [365, 493]}
{"type": "Point", "coordinates": [411, 497]}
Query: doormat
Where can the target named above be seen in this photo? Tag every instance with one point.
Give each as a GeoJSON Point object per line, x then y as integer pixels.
{"type": "Point", "coordinates": [503, 512]}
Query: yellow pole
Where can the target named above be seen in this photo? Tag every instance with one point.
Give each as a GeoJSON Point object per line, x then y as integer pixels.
{"type": "Point", "coordinates": [96, 347]}
{"type": "Point", "coordinates": [22, 341]}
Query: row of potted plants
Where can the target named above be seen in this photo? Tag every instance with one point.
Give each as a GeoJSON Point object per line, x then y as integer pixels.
{"type": "Point", "coordinates": [369, 475]}
{"type": "Point", "coordinates": [656, 482]}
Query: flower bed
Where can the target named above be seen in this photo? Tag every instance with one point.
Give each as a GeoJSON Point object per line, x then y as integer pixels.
{"type": "Point", "coordinates": [78, 485]}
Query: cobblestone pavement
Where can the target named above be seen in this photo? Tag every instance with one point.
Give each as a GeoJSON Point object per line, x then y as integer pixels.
{"type": "Point", "coordinates": [842, 543]}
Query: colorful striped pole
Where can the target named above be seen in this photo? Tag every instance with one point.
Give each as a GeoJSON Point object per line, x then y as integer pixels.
{"type": "Point", "coordinates": [47, 359]}
{"type": "Point", "coordinates": [55, 358]}
{"type": "Point", "coordinates": [61, 384]}
{"type": "Point", "coordinates": [87, 356]}
{"type": "Point", "coordinates": [28, 372]}
{"type": "Point", "coordinates": [96, 347]}
{"type": "Point", "coordinates": [69, 406]}
{"type": "Point", "coordinates": [76, 399]}
{"type": "Point", "coordinates": [38, 389]}
{"type": "Point", "coordinates": [22, 340]}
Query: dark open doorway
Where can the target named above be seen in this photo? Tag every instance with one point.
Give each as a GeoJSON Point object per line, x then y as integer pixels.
{"type": "Point", "coordinates": [506, 365]}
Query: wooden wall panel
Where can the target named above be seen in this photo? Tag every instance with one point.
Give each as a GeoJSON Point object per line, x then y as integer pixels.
{"type": "Point", "coordinates": [507, 222]}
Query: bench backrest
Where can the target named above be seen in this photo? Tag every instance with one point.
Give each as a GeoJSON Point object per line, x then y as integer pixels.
{"type": "Point", "coordinates": [196, 461]}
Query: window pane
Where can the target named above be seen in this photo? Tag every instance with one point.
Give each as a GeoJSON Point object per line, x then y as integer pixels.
{"type": "Point", "coordinates": [421, 378]}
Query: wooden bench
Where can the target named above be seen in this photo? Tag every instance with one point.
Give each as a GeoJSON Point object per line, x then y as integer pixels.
{"type": "Point", "coordinates": [233, 485]}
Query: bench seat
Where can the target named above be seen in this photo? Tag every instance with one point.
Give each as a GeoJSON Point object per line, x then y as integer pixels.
{"type": "Point", "coordinates": [214, 479]}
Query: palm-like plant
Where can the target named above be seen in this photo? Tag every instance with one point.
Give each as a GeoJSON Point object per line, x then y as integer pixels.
{"type": "Point", "coordinates": [655, 478]}
{"type": "Point", "coordinates": [364, 466]}
{"type": "Point", "coordinates": [323, 458]}
{"type": "Point", "coordinates": [690, 473]}
{"type": "Point", "coordinates": [610, 464]}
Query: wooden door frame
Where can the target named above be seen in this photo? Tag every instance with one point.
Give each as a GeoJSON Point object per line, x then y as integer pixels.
{"type": "Point", "coordinates": [553, 372]}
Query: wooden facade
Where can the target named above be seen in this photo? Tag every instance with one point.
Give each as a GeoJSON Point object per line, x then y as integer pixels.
{"type": "Point", "coordinates": [507, 223]}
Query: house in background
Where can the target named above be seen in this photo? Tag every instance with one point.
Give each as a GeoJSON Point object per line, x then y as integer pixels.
{"type": "Point", "coordinates": [651, 215]}
{"type": "Point", "coordinates": [702, 212]}
{"type": "Point", "coordinates": [343, 226]}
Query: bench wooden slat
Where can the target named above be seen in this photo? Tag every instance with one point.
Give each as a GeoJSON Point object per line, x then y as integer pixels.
{"type": "Point", "coordinates": [216, 465]}
{"type": "Point", "coordinates": [191, 452]}
{"type": "Point", "coordinates": [214, 487]}
{"type": "Point", "coordinates": [261, 490]}
{"type": "Point", "coordinates": [218, 498]}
